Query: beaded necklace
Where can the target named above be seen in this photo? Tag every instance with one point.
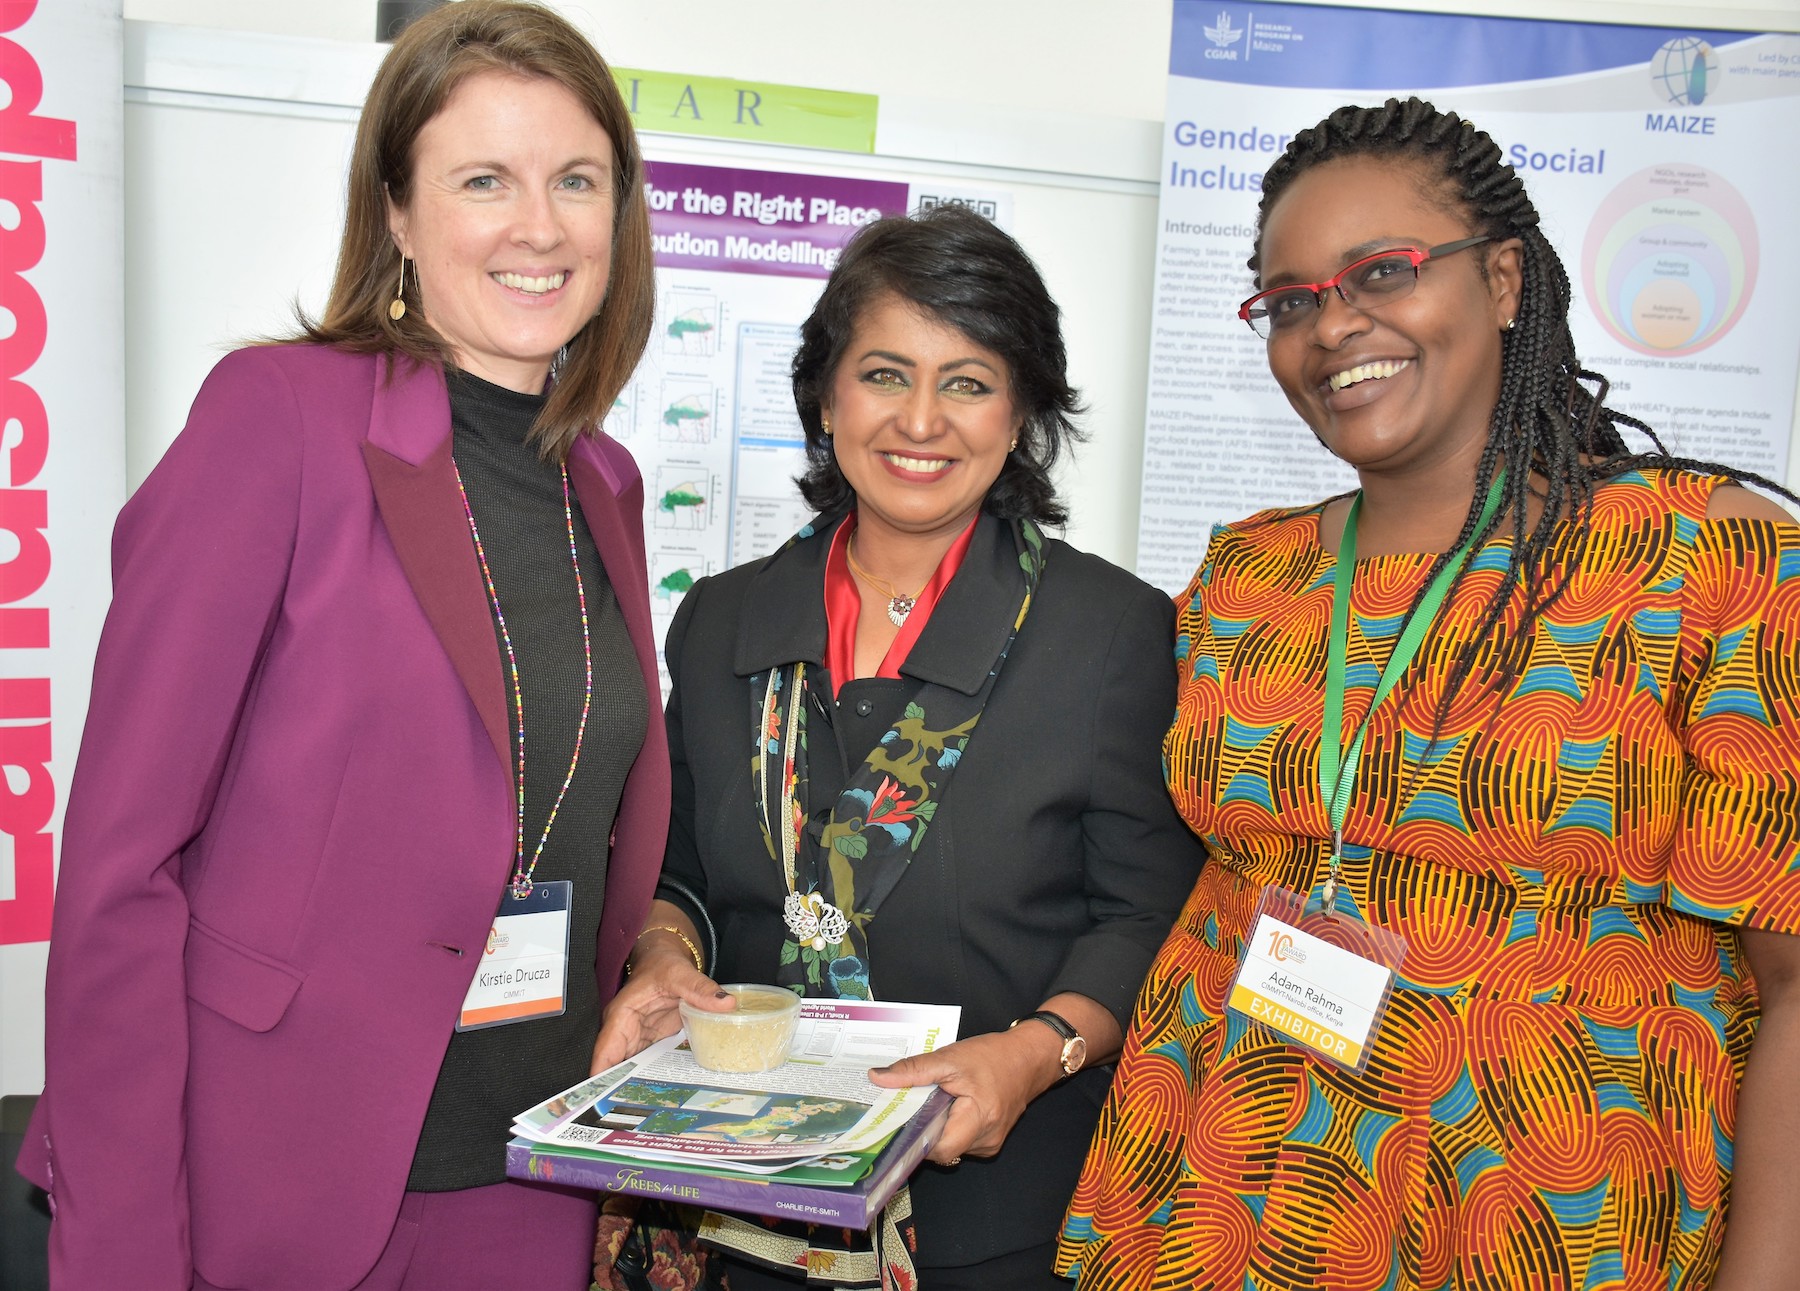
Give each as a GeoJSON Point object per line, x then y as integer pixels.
{"type": "Point", "coordinates": [520, 884]}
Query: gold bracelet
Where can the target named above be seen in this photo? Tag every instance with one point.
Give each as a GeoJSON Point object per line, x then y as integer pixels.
{"type": "Point", "coordinates": [699, 963]}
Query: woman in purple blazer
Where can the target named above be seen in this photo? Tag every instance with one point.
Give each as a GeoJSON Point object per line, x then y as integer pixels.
{"type": "Point", "coordinates": [372, 728]}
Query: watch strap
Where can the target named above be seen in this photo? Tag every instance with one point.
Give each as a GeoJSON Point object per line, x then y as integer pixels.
{"type": "Point", "coordinates": [1074, 1046]}
{"type": "Point", "coordinates": [1055, 1021]}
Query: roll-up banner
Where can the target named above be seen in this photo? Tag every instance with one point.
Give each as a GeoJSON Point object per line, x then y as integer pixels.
{"type": "Point", "coordinates": [1646, 150]}
{"type": "Point", "coordinates": [62, 450]}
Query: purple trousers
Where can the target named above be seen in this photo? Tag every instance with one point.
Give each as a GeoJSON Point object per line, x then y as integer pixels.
{"type": "Point", "coordinates": [506, 1237]}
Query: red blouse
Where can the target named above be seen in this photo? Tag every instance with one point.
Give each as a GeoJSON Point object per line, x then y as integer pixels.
{"type": "Point", "coordinates": [843, 606]}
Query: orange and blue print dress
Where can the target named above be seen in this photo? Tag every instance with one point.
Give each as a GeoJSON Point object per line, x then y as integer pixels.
{"type": "Point", "coordinates": [1551, 1095]}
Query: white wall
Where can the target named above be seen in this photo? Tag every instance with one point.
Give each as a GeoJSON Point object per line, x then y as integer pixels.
{"type": "Point", "coordinates": [1098, 57]}
{"type": "Point", "coordinates": [1060, 100]}
{"type": "Point", "coordinates": [237, 144]}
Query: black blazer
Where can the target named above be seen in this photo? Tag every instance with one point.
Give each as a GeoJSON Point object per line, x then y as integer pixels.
{"type": "Point", "coordinates": [1055, 863]}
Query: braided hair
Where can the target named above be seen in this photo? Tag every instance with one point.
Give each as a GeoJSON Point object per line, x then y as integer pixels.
{"type": "Point", "coordinates": [1548, 422]}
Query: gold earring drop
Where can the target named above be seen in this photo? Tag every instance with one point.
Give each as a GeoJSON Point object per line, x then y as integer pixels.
{"type": "Point", "coordinates": [825, 423]}
{"type": "Point", "coordinates": [397, 310]}
{"type": "Point", "coordinates": [1014, 445]}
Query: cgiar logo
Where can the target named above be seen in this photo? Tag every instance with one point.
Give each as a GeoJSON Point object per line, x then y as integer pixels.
{"type": "Point", "coordinates": [1222, 33]}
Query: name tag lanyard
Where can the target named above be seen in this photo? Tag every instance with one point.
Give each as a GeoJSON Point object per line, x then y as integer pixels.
{"type": "Point", "coordinates": [520, 884]}
{"type": "Point", "coordinates": [523, 972]}
{"type": "Point", "coordinates": [1338, 767]}
{"type": "Point", "coordinates": [1321, 981]}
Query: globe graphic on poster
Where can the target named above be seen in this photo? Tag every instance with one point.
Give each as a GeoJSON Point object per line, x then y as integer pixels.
{"type": "Point", "coordinates": [1684, 71]}
{"type": "Point", "coordinates": [1669, 262]}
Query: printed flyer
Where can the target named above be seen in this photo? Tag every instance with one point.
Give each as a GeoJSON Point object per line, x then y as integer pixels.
{"type": "Point", "coordinates": [662, 1105]}
{"type": "Point", "coordinates": [1644, 149]}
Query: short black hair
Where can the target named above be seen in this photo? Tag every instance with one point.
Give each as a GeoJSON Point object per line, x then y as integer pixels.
{"type": "Point", "coordinates": [962, 270]}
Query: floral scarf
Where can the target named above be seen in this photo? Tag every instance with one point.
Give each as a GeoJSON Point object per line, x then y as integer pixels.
{"type": "Point", "coordinates": [839, 870]}
{"type": "Point", "coordinates": [837, 876]}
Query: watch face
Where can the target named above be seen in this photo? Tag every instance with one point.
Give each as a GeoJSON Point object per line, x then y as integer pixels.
{"type": "Point", "coordinates": [1073, 1055]}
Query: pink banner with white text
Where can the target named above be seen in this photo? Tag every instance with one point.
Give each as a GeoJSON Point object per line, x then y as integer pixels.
{"type": "Point", "coordinates": [62, 450]}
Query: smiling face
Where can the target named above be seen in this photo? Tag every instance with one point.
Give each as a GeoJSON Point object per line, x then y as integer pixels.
{"type": "Point", "coordinates": [922, 419]}
{"type": "Point", "coordinates": [1410, 385]}
{"type": "Point", "coordinates": [509, 224]}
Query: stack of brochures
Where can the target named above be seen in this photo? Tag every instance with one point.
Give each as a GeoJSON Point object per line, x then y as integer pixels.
{"type": "Point", "coordinates": [813, 1139]}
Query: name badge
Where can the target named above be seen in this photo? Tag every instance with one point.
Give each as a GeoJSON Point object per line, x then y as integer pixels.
{"type": "Point", "coordinates": [1318, 978]}
{"type": "Point", "coordinates": [524, 968]}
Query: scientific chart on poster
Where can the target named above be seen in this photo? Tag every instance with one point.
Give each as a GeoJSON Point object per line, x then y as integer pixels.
{"type": "Point", "coordinates": [1648, 152]}
{"type": "Point", "coordinates": [741, 256]}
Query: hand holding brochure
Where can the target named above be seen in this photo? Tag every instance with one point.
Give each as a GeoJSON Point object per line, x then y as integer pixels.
{"type": "Point", "coordinates": [661, 1106]}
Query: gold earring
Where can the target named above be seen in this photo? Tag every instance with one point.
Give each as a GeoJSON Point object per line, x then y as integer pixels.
{"type": "Point", "coordinates": [1510, 322]}
{"type": "Point", "coordinates": [1014, 445]}
{"type": "Point", "coordinates": [825, 423]}
{"type": "Point", "coordinates": [397, 310]}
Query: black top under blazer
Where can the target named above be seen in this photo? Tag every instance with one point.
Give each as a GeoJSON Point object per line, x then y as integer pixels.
{"type": "Point", "coordinates": [1055, 862]}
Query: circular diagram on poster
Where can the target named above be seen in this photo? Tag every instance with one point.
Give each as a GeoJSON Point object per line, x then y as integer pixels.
{"type": "Point", "coordinates": [1670, 259]}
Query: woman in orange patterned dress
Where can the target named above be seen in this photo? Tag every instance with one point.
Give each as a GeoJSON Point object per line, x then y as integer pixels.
{"type": "Point", "coordinates": [1572, 834]}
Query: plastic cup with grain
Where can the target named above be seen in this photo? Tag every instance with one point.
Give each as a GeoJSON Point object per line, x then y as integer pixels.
{"type": "Point", "coordinates": [752, 1037]}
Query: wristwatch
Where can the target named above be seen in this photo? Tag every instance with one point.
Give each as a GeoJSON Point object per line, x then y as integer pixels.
{"type": "Point", "coordinates": [1074, 1050]}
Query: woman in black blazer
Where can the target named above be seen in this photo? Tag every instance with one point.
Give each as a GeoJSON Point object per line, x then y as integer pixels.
{"type": "Point", "coordinates": [966, 715]}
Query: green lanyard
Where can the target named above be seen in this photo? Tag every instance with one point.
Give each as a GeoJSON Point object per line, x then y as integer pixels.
{"type": "Point", "coordinates": [1337, 769]}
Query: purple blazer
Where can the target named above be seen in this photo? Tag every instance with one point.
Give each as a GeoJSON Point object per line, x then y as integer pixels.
{"type": "Point", "coordinates": [288, 828]}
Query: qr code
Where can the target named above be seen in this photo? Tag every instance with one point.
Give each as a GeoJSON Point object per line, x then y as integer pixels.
{"type": "Point", "coordinates": [980, 205]}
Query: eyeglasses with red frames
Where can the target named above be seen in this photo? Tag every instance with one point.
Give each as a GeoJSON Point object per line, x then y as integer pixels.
{"type": "Point", "coordinates": [1369, 283]}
